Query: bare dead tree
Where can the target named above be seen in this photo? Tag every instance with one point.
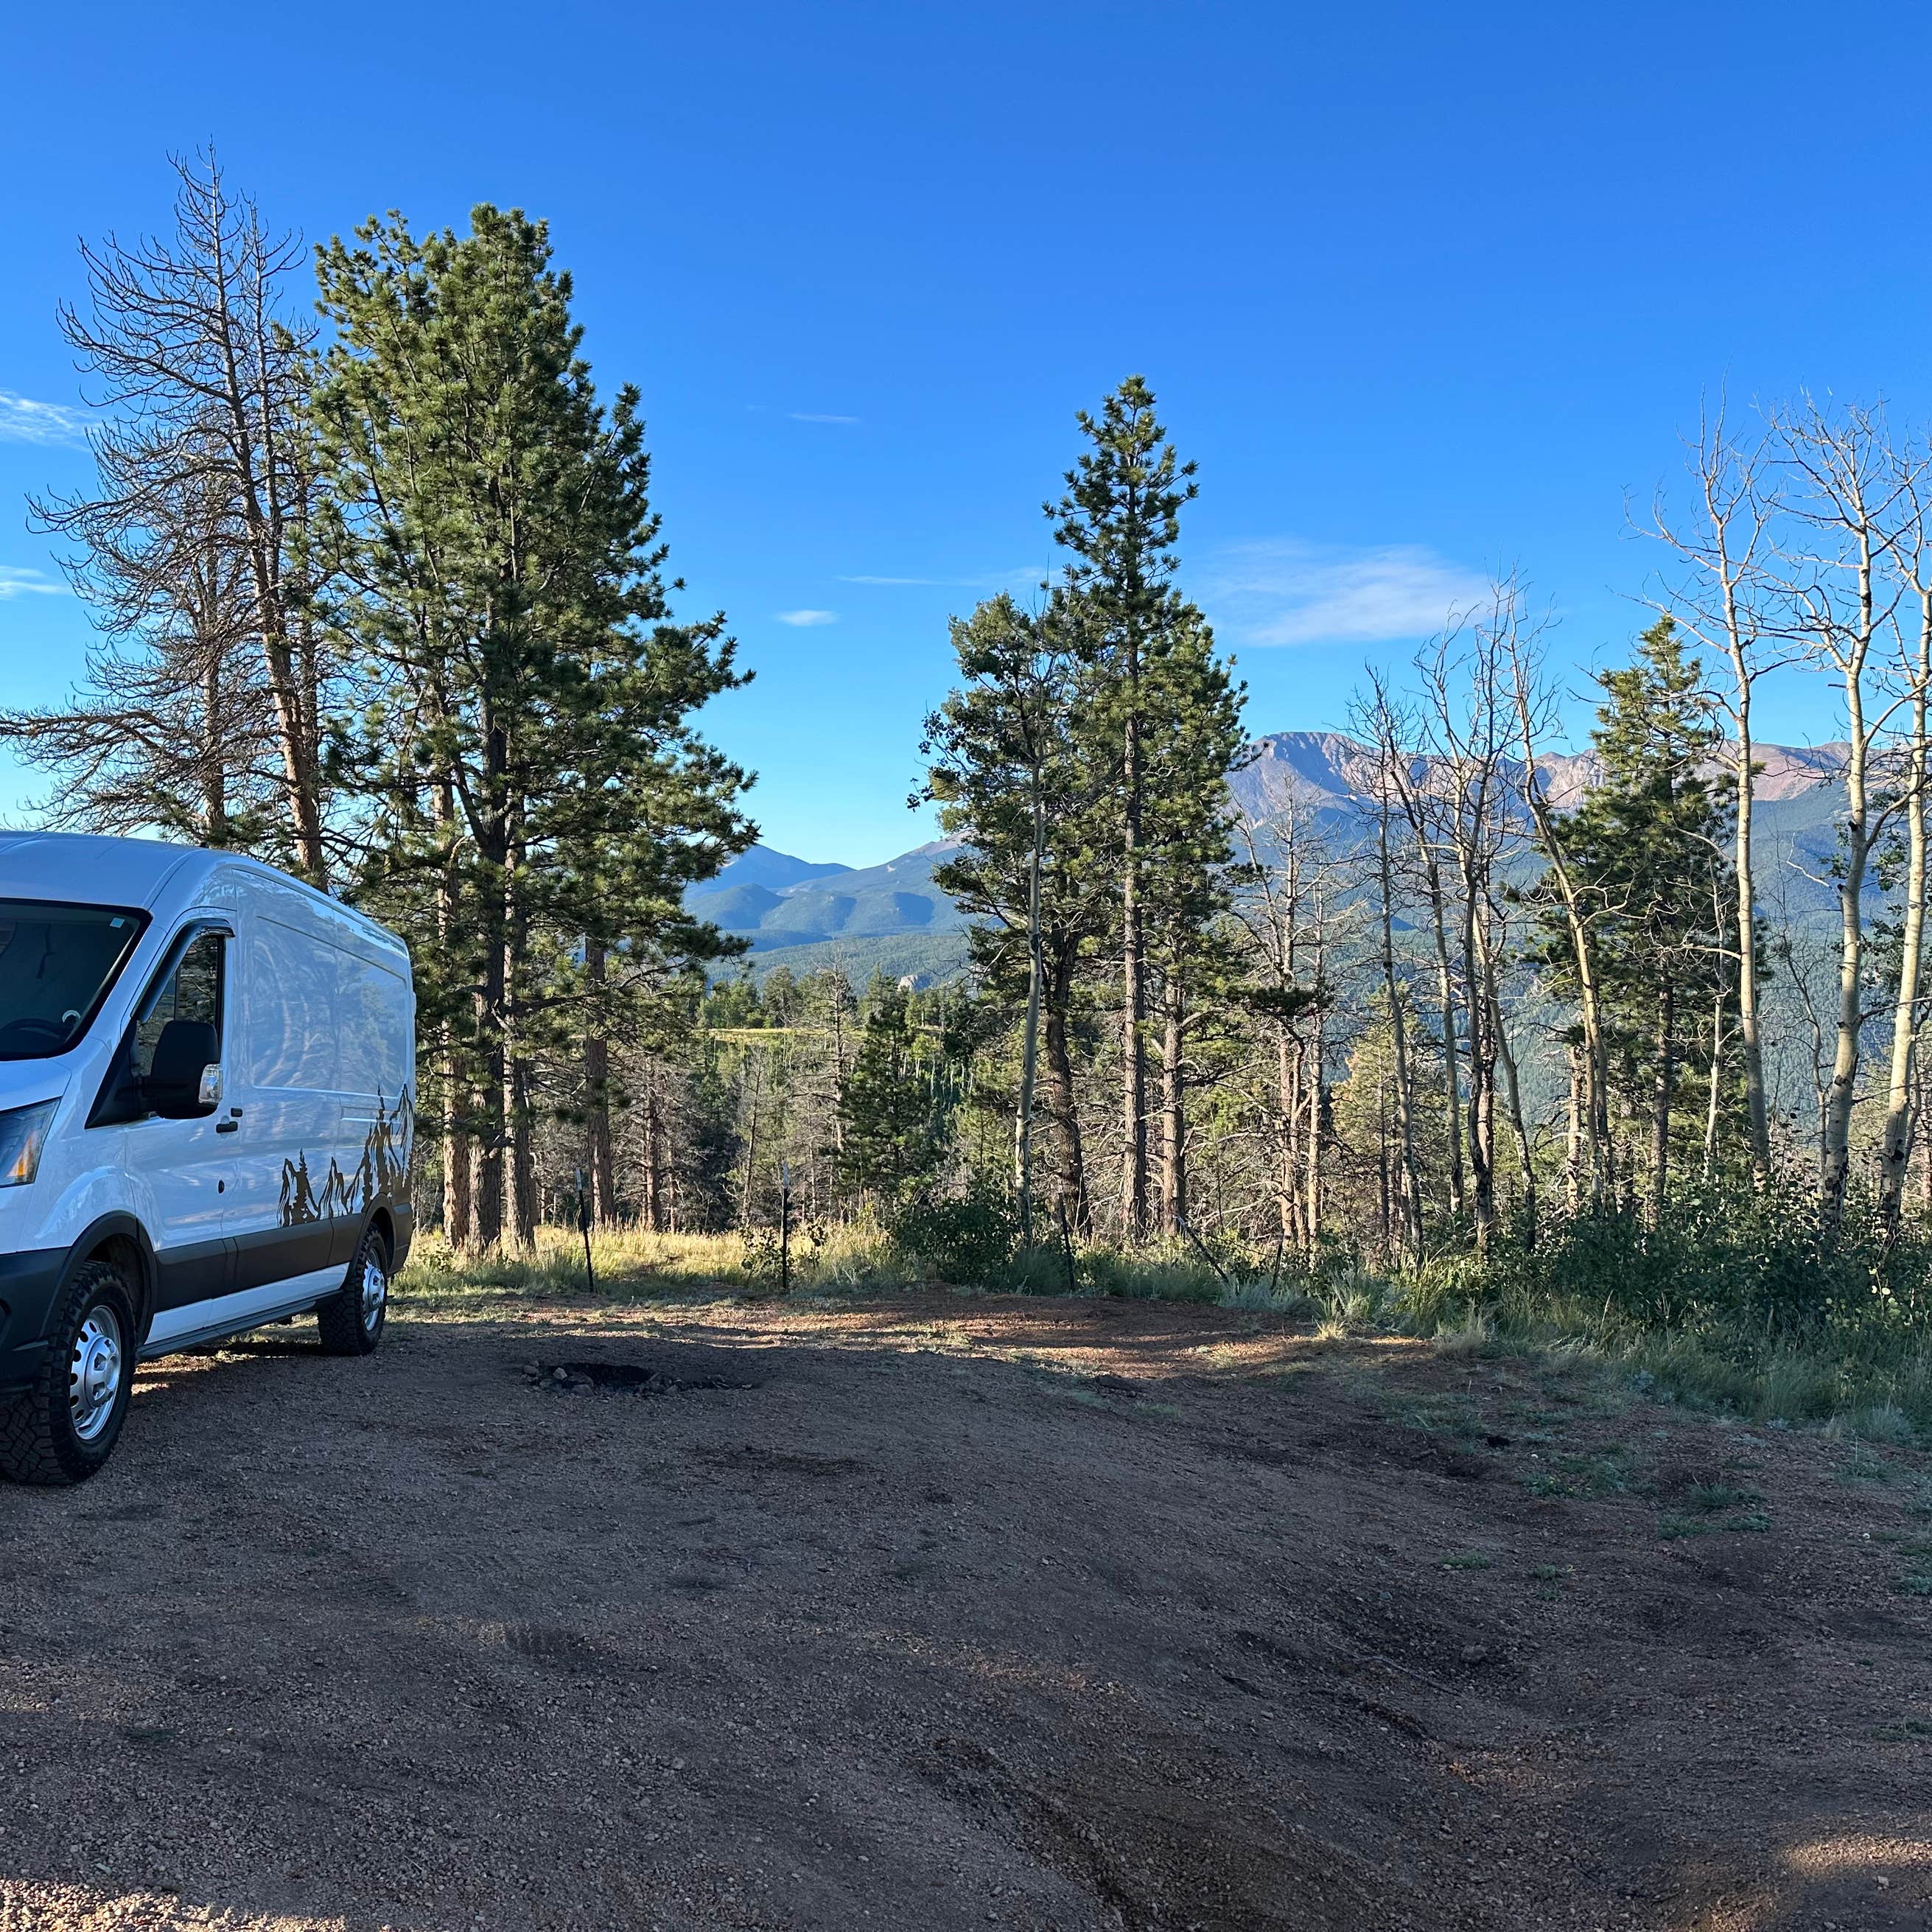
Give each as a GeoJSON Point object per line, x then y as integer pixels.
{"type": "Point", "coordinates": [1286, 888]}
{"type": "Point", "coordinates": [1725, 593]}
{"type": "Point", "coordinates": [193, 538]}
{"type": "Point", "coordinates": [1423, 803]}
{"type": "Point", "coordinates": [1493, 931]}
{"type": "Point", "coordinates": [165, 729]}
{"type": "Point", "coordinates": [1911, 557]}
{"type": "Point", "coordinates": [1389, 733]}
{"type": "Point", "coordinates": [1534, 705]}
{"type": "Point", "coordinates": [1467, 726]}
{"type": "Point", "coordinates": [1713, 1082]}
{"type": "Point", "coordinates": [1851, 503]}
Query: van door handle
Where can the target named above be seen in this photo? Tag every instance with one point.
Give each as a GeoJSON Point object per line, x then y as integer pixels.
{"type": "Point", "coordinates": [227, 1127]}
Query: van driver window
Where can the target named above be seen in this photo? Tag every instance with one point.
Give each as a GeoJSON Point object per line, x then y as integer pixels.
{"type": "Point", "coordinates": [193, 991]}
{"type": "Point", "coordinates": [57, 965]}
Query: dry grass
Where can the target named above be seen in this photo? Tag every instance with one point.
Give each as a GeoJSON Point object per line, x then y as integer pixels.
{"type": "Point", "coordinates": [633, 1265]}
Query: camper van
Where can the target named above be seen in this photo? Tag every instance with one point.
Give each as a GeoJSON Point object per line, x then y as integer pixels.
{"type": "Point", "coordinates": [206, 1076]}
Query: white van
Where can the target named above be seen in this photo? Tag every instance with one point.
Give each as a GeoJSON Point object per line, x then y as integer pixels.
{"type": "Point", "coordinates": [207, 1071]}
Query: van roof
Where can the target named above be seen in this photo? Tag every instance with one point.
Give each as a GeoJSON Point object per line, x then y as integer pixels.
{"type": "Point", "coordinates": [85, 868]}
{"type": "Point", "coordinates": [75, 866]}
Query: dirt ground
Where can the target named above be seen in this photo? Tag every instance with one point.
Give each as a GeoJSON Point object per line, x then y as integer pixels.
{"type": "Point", "coordinates": [954, 1613]}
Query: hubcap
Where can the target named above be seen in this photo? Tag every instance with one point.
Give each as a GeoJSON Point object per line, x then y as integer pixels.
{"type": "Point", "coordinates": [94, 1382]}
{"type": "Point", "coordinates": [375, 1291]}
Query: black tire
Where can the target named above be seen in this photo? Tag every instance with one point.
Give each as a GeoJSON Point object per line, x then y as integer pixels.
{"type": "Point", "coordinates": [44, 1436]}
{"type": "Point", "coordinates": [346, 1322]}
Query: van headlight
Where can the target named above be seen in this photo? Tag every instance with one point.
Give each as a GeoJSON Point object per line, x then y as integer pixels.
{"type": "Point", "coordinates": [23, 1132]}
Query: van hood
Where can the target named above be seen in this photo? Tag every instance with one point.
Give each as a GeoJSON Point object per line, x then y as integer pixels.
{"type": "Point", "coordinates": [24, 1082]}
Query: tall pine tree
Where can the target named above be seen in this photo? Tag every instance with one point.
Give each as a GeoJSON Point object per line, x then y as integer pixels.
{"type": "Point", "coordinates": [1192, 739]}
{"type": "Point", "coordinates": [1120, 517]}
{"type": "Point", "coordinates": [533, 798]}
{"type": "Point", "coordinates": [1646, 847]}
{"type": "Point", "coordinates": [1007, 770]}
{"type": "Point", "coordinates": [1160, 721]}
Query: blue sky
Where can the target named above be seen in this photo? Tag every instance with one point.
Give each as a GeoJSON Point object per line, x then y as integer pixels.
{"type": "Point", "coordinates": [1424, 289]}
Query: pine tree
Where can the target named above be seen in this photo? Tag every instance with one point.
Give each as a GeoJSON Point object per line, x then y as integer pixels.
{"type": "Point", "coordinates": [1646, 847]}
{"type": "Point", "coordinates": [529, 786]}
{"type": "Point", "coordinates": [1192, 740]}
{"type": "Point", "coordinates": [885, 1109]}
{"type": "Point", "coordinates": [1006, 769]}
{"type": "Point", "coordinates": [1120, 518]}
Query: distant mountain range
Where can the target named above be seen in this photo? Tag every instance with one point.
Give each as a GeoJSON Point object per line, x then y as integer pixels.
{"type": "Point", "coordinates": [813, 915]}
{"type": "Point", "coordinates": [893, 918]}
{"type": "Point", "coordinates": [1324, 769]}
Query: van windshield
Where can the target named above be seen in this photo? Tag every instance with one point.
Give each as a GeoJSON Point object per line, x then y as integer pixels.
{"type": "Point", "coordinates": [57, 963]}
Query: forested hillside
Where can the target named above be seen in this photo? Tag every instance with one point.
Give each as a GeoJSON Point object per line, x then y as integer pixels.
{"type": "Point", "coordinates": [786, 905]}
{"type": "Point", "coordinates": [779, 902]}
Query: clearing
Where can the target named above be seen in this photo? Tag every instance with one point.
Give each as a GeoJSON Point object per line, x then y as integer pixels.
{"type": "Point", "coordinates": [946, 1612]}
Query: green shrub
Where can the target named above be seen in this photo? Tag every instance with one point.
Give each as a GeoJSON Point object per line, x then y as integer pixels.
{"type": "Point", "coordinates": [967, 1238]}
{"type": "Point", "coordinates": [1171, 1273]}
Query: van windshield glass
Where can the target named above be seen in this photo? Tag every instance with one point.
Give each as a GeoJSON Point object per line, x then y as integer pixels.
{"type": "Point", "coordinates": [57, 963]}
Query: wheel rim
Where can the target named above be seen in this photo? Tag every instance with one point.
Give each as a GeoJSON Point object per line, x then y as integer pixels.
{"type": "Point", "coordinates": [94, 1381]}
{"type": "Point", "coordinates": [375, 1292]}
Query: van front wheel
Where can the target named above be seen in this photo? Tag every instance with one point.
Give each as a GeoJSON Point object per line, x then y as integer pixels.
{"type": "Point", "coordinates": [65, 1426]}
{"type": "Point", "coordinates": [351, 1320]}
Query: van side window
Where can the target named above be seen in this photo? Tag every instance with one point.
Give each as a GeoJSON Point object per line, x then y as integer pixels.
{"type": "Point", "coordinates": [289, 1042]}
{"type": "Point", "coordinates": [193, 992]}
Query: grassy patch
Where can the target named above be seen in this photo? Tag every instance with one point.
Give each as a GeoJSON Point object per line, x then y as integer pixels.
{"type": "Point", "coordinates": [1915, 1579]}
{"type": "Point", "coordinates": [1671, 1527]}
{"type": "Point", "coordinates": [1711, 1497]}
{"type": "Point", "coordinates": [1582, 1473]}
{"type": "Point", "coordinates": [1468, 1559]}
{"type": "Point", "coordinates": [1291, 1301]}
{"type": "Point", "coordinates": [1550, 1579]}
{"type": "Point", "coordinates": [1452, 1415]}
{"type": "Point", "coordinates": [1864, 1467]}
{"type": "Point", "coordinates": [1744, 1304]}
{"type": "Point", "coordinates": [631, 1264]}
{"type": "Point", "coordinates": [1115, 1404]}
{"type": "Point", "coordinates": [1901, 1729]}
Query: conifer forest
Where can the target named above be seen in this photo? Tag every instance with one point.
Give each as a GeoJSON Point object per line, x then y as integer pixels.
{"type": "Point", "coordinates": [1521, 996]}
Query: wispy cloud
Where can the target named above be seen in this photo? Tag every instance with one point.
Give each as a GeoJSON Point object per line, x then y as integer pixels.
{"type": "Point", "coordinates": [23, 420]}
{"type": "Point", "coordinates": [805, 619]}
{"type": "Point", "coordinates": [1295, 593]}
{"type": "Point", "coordinates": [998, 580]}
{"type": "Point", "coordinates": [931, 583]}
{"type": "Point", "coordinates": [815, 415]}
{"type": "Point", "coordinates": [28, 584]}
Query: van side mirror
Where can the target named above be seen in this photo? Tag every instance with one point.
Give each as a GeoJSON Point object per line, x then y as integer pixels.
{"type": "Point", "coordinates": [178, 1086]}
